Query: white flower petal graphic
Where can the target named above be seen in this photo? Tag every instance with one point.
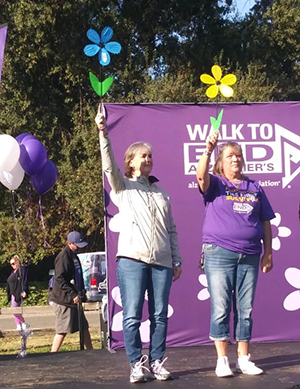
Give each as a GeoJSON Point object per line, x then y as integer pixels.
{"type": "Point", "coordinates": [292, 275]}
{"type": "Point", "coordinates": [276, 244]}
{"type": "Point", "coordinates": [284, 232]}
{"type": "Point", "coordinates": [203, 295]}
{"type": "Point", "coordinates": [114, 223]}
{"type": "Point", "coordinates": [114, 198]}
{"type": "Point", "coordinates": [117, 322]}
{"type": "Point", "coordinates": [116, 295]}
{"type": "Point", "coordinates": [170, 310]}
{"type": "Point", "coordinates": [145, 331]}
{"type": "Point", "coordinates": [203, 280]}
{"type": "Point", "coordinates": [277, 220]}
{"type": "Point", "coordinates": [292, 301]}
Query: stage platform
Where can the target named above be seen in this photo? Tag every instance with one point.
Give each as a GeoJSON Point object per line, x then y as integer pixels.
{"type": "Point", "coordinates": [192, 367]}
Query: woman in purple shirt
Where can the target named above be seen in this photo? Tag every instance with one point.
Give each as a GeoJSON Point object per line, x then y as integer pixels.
{"type": "Point", "coordinates": [237, 218]}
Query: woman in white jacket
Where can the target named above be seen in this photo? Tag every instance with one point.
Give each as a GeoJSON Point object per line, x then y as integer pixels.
{"type": "Point", "coordinates": [148, 254]}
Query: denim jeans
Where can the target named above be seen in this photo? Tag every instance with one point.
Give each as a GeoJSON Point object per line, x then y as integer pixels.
{"type": "Point", "coordinates": [232, 278]}
{"type": "Point", "coordinates": [134, 279]}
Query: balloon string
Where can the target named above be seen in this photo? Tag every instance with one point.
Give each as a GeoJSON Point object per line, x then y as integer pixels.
{"type": "Point", "coordinates": [13, 207]}
{"type": "Point", "coordinates": [21, 275]}
{"type": "Point", "coordinates": [29, 216]}
{"type": "Point", "coordinates": [46, 244]}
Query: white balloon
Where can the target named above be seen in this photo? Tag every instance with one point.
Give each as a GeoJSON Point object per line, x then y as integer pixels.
{"type": "Point", "coordinates": [9, 152]}
{"type": "Point", "coordinates": [13, 179]}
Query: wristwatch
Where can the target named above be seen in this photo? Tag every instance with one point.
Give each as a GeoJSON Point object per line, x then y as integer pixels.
{"type": "Point", "coordinates": [177, 264]}
{"type": "Point", "coordinates": [208, 153]}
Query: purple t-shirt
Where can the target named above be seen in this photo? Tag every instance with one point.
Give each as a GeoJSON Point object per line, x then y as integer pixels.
{"type": "Point", "coordinates": [233, 215]}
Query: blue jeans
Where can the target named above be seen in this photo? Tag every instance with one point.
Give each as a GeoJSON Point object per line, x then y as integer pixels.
{"type": "Point", "coordinates": [134, 279]}
{"type": "Point", "coordinates": [232, 278]}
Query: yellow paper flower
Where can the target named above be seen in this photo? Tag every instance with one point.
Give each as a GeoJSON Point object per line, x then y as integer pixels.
{"type": "Point", "coordinates": [218, 83]}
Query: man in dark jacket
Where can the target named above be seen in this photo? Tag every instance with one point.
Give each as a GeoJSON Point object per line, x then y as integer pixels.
{"type": "Point", "coordinates": [68, 291]}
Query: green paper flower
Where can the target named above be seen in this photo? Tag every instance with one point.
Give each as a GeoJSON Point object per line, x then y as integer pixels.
{"type": "Point", "coordinates": [100, 87]}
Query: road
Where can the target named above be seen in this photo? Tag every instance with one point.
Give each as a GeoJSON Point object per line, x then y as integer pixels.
{"type": "Point", "coordinates": [42, 318]}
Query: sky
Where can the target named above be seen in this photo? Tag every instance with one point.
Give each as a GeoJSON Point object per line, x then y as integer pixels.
{"type": "Point", "coordinates": [244, 6]}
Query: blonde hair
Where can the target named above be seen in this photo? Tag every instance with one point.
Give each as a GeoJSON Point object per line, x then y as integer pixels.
{"type": "Point", "coordinates": [130, 153]}
{"type": "Point", "coordinates": [218, 166]}
{"type": "Point", "coordinates": [16, 258]}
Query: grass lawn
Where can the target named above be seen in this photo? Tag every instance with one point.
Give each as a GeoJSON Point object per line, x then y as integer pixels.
{"type": "Point", "coordinates": [41, 342]}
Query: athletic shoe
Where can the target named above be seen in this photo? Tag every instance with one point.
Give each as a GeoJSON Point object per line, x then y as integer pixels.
{"type": "Point", "coordinates": [245, 366]}
{"type": "Point", "coordinates": [136, 372]}
{"type": "Point", "coordinates": [22, 354]}
{"type": "Point", "coordinates": [223, 369]}
{"type": "Point", "coordinates": [159, 371]}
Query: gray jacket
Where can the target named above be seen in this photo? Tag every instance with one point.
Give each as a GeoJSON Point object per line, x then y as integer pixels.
{"type": "Point", "coordinates": [147, 229]}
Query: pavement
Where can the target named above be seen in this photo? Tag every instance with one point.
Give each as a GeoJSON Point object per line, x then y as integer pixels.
{"type": "Point", "coordinates": [42, 318]}
{"type": "Point", "coordinates": [192, 367]}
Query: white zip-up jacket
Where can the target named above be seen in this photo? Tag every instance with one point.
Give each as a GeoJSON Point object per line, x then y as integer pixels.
{"type": "Point", "coordinates": [147, 229]}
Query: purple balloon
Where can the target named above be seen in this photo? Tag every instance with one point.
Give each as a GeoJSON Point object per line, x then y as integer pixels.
{"type": "Point", "coordinates": [33, 155]}
{"type": "Point", "coordinates": [44, 180]}
{"type": "Point", "coordinates": [20, 138]}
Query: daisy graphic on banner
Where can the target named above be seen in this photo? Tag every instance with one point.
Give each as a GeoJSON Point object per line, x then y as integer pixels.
{"type": "Point", "coordinates": [221, 84]}
{"type": "Point", "coordinates": [204, 293]}
{"type": "Point", "coordinates": [282, 232]}
{"type": "Point", "coordinates": [102, 46]}
{"type": "Point", "coordinates": [292, 301]}
{"type": "Point", "coordinates": [3, 31]}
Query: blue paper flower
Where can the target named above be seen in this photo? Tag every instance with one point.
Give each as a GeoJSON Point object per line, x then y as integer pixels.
{"type": "Point", "coordinates": [102, 45]}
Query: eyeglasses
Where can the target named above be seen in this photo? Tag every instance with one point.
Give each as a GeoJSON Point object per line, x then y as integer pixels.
{"type": "Point", "coordinates": [12, 263]}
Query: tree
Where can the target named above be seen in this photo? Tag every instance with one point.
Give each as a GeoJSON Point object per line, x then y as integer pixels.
{"type": "Point", "coordinates": [269, 36]}
{"type": "Point", "coordinates": [44, 93]}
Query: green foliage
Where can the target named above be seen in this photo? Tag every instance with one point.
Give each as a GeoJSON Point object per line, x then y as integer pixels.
{"type": "Point", "coordinates": [170, 88]}
{"type": "Point", "coordinates": [269, 38]}
{"type": "Point", "coordinates": [37, 296]}
{"type": "Point", "coordinates": [3, 298]}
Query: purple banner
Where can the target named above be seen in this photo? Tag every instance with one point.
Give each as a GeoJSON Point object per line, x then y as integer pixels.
{"type": "Point", "coordinates": [269, 134]}
{"type": "Point", "coordinates": [3, 30]}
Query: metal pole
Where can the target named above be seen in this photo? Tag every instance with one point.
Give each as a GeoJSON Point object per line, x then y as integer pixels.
{"type": "Point", "coordinates": [80, 324]}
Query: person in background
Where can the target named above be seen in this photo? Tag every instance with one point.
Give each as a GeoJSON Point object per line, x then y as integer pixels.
{"type": "Point", "coordinates": [68, 291]}
{"type": "Point", "coordinates": [148, 255]}
{"type": "Point", "coordinates": [237, 218]}
{"type": "Point", "coordinates": [17, 291]}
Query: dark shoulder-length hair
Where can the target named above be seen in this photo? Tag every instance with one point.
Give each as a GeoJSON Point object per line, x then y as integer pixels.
{"type": "Point", "coordinates": [130, 153]}
{"type": "Point", "coordinates": [218, 166]}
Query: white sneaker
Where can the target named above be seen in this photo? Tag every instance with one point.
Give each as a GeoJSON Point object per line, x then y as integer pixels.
{"type": "Point", "coordinates": [136, 372]}
{"type": "Point", "coordinates": [159, 371]}
{"type": "Point", "coordinates": [22, 354]}
{"type": "Point", "coordinates": [223, 368]}
{"type": "Point", "coordinates": [245, 366]}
